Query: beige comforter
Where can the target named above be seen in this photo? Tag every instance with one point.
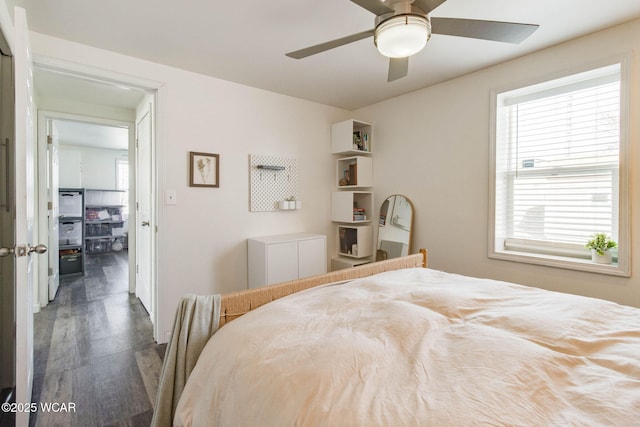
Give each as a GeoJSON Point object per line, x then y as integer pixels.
{"type": "Point", "coordinates": [419, 347]}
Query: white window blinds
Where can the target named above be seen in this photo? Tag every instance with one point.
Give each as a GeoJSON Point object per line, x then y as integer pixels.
{"type": "Point", "coordinates": [557, 162]}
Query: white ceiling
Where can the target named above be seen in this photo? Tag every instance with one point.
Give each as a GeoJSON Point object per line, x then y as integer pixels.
{"type": "Point", "coordinates": [245, 41]}
{"type": "Point", "coordinates": [94, 135]}
{"type": "Point", "coordinates": [59, 86]}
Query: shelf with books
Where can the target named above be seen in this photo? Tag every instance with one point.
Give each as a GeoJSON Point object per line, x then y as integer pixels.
{"type": "Point", "coordinates": [351, 136]}
{"type": "Point", "coordinates": [352, 206]}
{"type": "Point", "coordinates": [352, 203]}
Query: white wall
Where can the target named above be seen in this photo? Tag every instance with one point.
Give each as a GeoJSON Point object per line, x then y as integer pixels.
{"type": "Point", "coordinates": [202, 240]}
{"type": "Point", "coordinates": [433, 146]}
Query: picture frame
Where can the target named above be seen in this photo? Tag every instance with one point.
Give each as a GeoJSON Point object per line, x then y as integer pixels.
{"type": "Point", "coordinates": [204, 170]}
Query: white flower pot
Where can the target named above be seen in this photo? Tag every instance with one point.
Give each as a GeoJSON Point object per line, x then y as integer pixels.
{"type": "Point", "coordinates": [601, 259]}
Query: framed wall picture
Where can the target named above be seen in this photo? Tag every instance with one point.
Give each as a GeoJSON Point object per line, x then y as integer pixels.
{"type": "Point", "coordinates": [204, 169]}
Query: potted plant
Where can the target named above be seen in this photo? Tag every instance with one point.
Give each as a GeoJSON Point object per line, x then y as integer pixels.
{"type": "Point", "coordinates": [600, 244]}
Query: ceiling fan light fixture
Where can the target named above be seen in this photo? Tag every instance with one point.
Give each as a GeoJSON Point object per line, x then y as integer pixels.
{"type": "Point", "coordinates": [402, 35]}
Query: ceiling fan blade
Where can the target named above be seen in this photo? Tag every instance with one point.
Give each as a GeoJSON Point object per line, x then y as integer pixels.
{"type": "Point", "coordinates": [427, 5]}
{"type": "Point", "coordinates": [374, 6]}
{"type": "Point", "coordinates": [398, 68]}
{"type": "Point", "coordinates": [312, 50]}
{"type": "Point", "coordinates": [508, 32]}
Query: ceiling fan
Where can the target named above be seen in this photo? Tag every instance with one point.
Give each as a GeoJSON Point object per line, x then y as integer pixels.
{"type": "Point", "coordinates": [403, 27]}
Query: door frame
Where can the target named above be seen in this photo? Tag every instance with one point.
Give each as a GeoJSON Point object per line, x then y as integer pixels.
{"type": "Point", "coordinates": [43, 117]}
{"type": "Point", "coordinates": [157, 91]}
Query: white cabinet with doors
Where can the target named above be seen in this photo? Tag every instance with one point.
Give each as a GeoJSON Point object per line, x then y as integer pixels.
{"type": "Point", "coordinates": [279, 258]}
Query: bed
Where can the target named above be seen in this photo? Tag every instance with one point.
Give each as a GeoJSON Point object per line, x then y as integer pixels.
{"type": "Point", "coordinates": [415, 346]}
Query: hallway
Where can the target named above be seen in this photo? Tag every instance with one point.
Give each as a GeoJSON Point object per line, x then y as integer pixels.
{"type": "Point", "coordinates": [94, 348]}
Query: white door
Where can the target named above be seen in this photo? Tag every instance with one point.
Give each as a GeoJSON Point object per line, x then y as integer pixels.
{"type": "Point", "coordinates": [53, 212]}
{"type": "Point", "coordinates": [7, 229]}
{"type": "Point", "coordinates": [144, 217]}
{"type": "Point", "coordinates": [25, 201]}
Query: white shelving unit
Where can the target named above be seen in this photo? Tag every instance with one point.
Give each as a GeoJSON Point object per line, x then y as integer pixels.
{"type": "Point", "coordinates": [354, 172]}
{"type": "Point", "coordinates": [105, 221]}
{"type": "Point", "coordinates": [355, 241]}
{"type": "Point", "coordinates": [352, 202]}
{"type": "Point", "coordinates": [345, 203]}
{"type": "Point", "coordinates": [342, 137]}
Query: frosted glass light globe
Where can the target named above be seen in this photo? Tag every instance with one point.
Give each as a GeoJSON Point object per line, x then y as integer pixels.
{"type": "Point", "coordinates": [402, 35]}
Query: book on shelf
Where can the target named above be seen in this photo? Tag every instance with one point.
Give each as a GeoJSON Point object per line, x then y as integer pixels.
{"type": "Point", "coordinates": [353, 174]}
{"type": "Point", "coordinates": [359, 214]}
{"type": "Point", "coordinates": [357, 140]}
{"type": "Point", "coordinates": [360, 140]}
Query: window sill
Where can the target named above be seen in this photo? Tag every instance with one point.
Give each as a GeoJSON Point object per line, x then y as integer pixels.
{"type": "Point", "coordinates": [561, 262]}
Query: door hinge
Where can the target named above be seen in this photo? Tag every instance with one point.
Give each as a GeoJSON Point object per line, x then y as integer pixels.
{"type": "Point", "coordinates": [49, 140]}
{"type": "Point", "coordinates": [50, 206]}
{"type": "Point", "coordinates": [137, 143]}
{"type": "Point", "coordinates": [137, 206]}
{"type": "Point", "coordinates": [51, 272]}
{"type": "Point", "coordinates": [137, 269]}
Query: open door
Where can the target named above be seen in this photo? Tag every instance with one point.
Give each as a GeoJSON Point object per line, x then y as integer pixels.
{"type": "Point", "coordinates": [144, 219]}
{"type": "Point", "coordinates": [24, 193]}
{"type": "Point", "coordinates": [53, 209]}
{"type": "Point", "coordinates": [7, 234]}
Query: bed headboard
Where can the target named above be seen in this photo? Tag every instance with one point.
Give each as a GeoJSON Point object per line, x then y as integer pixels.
{"type": "Point", "coordinates": [236, 304]}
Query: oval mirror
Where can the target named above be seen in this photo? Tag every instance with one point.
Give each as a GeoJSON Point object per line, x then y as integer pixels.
{"type": "Point", "coordinates": [394, 228]}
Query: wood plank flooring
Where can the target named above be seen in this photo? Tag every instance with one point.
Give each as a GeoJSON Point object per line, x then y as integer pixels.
{"type": "Point", "coordinates": [94, 348]}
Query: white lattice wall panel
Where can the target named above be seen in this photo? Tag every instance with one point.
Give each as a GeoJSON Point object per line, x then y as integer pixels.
{"type": "Point", "coordinates": [268, 187]}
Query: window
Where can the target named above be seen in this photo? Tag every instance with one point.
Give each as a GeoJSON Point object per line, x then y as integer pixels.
{"type": "Point", "coordinates": [122, 174]}
{"type": "Point", "coordinates": [558, 154]}
{"type": "Point", "coordinates": [122, 183]}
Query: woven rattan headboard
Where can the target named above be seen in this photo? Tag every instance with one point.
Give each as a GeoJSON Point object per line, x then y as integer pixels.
{"type": "Point", "coordinates": [236, 304]}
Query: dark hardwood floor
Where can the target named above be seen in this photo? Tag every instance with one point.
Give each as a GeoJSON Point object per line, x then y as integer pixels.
{"type": "Point", "coordinates": [94, 348]}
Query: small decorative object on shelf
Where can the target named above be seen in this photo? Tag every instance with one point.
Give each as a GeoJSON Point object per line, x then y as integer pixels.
{"type": "Point", "coordinates": [600, 245]}
{"type": "Point", "coordinates": [360, 140]}
{"type": "Point", "coordinates": [290, 204]}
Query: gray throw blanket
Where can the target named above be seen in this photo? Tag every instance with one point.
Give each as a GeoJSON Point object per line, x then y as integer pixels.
{"type": "Point", "coordinates": [197, 318]}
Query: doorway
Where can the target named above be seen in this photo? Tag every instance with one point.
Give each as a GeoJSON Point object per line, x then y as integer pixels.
{"type": "Point", "coordinates": [73, 108]}
{"type": "Point", "coordinates": [88, 187]}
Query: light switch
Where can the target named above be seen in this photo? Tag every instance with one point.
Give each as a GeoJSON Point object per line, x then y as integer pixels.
{"type": "Point", "coordinates": [170, 197]}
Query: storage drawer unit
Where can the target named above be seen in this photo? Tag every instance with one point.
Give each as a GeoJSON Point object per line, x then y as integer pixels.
{"type": "Point", "coordinates": [71, 264]}
{"type": "Point", "coordinates": [70, 233]}
{"type": "Point", "coordinates": [70, 204]}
